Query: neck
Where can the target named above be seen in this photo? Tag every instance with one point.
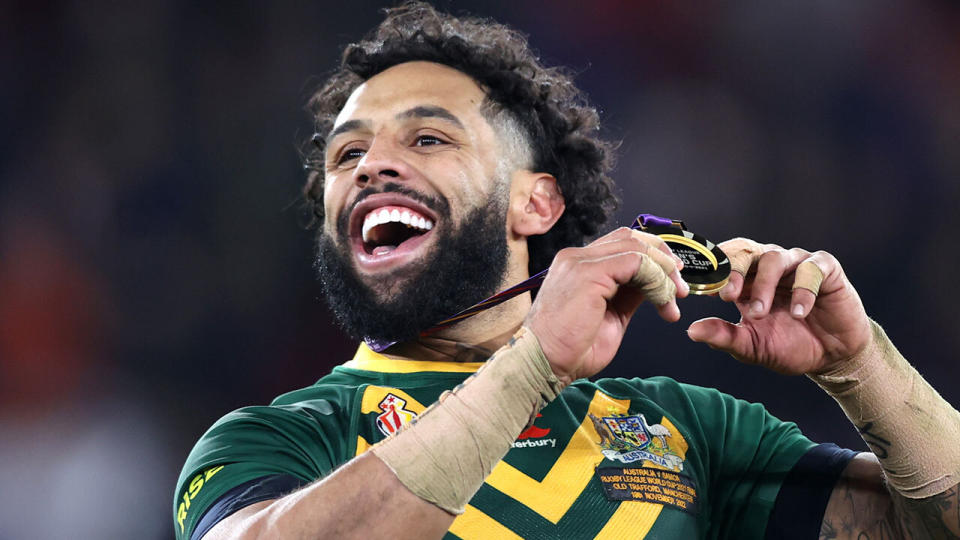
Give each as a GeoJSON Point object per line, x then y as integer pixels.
{"type": "Point", "coordinates": [471, 340]}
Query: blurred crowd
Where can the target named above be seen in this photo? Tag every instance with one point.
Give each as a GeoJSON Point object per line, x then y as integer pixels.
{"type": "Point", "coordinates": [156, 271]}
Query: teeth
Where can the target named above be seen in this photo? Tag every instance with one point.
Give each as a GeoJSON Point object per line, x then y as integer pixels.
{"type": "Point", "coordinates": [367, 225]}
{"type": "Point", "coordinates": [384, 215]}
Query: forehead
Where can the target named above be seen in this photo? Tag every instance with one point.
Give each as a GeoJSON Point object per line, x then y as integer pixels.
{"type": "Point", "coordinates": [410, 85]}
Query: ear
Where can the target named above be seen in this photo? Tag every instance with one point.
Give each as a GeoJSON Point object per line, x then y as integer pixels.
{"type": "Point", "coordinates": [535, 204]}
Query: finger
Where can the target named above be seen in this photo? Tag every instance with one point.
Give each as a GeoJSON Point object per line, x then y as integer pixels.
{"type": "Point", "coordinates": [671, 268]}
{"type": "Point", "coordinates": [619, 240]}
{"type": "Point", "coordinates": [772, 266]}
{"type": "Point", "coordinates": [640, 272]}
{"type": "Point", "coordinates": [731, 291]}
{"type": "Point", "coordinates": [664, 247]}
{"type": "Point", "coordinates": [742, 253]}
{"type": "Point", "coordinates": [801, 302]}
{"type": "Point", "coordinates": [653, 240]}
{"type": "Point", "coordinates": [629, 240]}
{"type": "Point", "coordinates": [720, 334]}
{"type": "Point", "coordinates": [808, 282]}
{"type": "Point", "coordinates": [809, 276]}
{"type": "Point", "coordinates": [653, 282]}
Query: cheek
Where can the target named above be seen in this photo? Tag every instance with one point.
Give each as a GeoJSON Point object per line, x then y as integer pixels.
{"type": "Point", "coordinates": [334, 197]}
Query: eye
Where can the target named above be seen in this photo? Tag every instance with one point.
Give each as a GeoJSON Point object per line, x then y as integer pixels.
{"type": "Point", "coordinates": [350, 154]}
{"type": "Point", "coordinates": [428, 140]}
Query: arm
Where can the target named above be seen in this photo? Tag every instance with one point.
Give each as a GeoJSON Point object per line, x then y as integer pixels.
{"type": "Point", "coordinates": [362, 499]}
{"type": "Point", "coordinates": [800, 315]}
{"type": "Point", "coordinates": [861, 507]}
{"type": "Point", "coordinates": [913, 433]}
{"type": "Point", "coordinates": [414, 483]}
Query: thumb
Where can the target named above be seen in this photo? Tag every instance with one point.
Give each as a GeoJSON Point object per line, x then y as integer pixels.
{"type": "Point", "coordinates": [722, 335]}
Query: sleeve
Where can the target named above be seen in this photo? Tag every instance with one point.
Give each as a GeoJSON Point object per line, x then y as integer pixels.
{"type": "Point", "coordinates": [255, 454]}
{"type": "Point", "coordinates": [753, 457]}
{"type": "Point", "coordinates": [744, 453]}
{"type": "Point", "coordinates": [802, 501]}
{"type": "Point", "coordinates": [751, 454]}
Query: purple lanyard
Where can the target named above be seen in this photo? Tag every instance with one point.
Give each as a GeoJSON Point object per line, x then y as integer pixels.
{"type": "Point", "coordinates": [531, 283]}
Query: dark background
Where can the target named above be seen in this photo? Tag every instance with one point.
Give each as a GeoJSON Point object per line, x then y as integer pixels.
{"type": "Point", "coordinates": [155, 272]}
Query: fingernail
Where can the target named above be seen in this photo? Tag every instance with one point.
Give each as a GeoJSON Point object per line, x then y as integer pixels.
{"type": "Point", "coordinates": [756, 307]}
{"type": "Point", "coordinates": [798, 310]}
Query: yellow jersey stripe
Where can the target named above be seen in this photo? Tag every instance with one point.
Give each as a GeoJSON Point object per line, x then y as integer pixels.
{"type": "Point", "coordinates": [570, 474]}
{"type": "Point", "coordinates": [475, 524]}
{"type": "Point", "coordinates": [368, 360]}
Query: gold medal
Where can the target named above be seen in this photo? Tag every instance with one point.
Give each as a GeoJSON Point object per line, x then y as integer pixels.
{"type": "Point", "coordinates": [706, 268]}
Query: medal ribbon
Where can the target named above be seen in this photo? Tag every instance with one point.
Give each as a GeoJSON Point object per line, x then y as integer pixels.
{"type": "Point", "coordinates": [642, 222]}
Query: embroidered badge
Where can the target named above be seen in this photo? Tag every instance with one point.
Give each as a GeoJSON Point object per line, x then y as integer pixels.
{"type": "Point", "coordinates": [628, 439]}
{"type": "Point", "coordinates": [647, 484]}
{"type": "Point", "coordinates": [394, 415]}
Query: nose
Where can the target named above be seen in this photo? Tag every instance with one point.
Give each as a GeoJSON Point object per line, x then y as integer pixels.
{"type": "Point", "coordinates": [381, 163]}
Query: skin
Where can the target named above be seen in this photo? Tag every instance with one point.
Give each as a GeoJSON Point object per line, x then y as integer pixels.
{"type": "Point", "coordinates": [797, 332]}
{"type": "Point", "coordinates": [580, 315]}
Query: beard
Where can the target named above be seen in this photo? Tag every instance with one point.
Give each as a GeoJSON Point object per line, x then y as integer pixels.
{"type": "Point", "coordinates": [466, 264]}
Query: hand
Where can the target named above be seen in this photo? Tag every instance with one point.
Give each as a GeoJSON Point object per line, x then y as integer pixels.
{"type": "Point", "coordinates": [794, 331]}
{"type": "Point", "coordinates": [585, 304]}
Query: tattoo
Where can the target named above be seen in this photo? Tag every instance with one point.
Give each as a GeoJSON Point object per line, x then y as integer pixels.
{"type": "Point", "coordinates": [827, 532]}
{"type": "Point", "coordinates": [862, 509]}
{"type": "Point", "coordinates": [877, 444]}
{"type": "Point", "coordinates": [933, 517]}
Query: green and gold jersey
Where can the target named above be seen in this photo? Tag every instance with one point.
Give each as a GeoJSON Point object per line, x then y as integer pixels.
{"type": "Point", "coordinates": [614, 458]}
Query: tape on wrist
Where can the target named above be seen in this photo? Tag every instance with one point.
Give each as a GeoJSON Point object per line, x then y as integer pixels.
{"type": "Point", "coordinates": [445, 454]}
{"type": "Point", "coordinates": [908, 425]}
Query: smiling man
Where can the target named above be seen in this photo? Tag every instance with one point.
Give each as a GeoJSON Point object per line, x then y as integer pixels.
{"type": "Point", "coordinates": [449, 164]}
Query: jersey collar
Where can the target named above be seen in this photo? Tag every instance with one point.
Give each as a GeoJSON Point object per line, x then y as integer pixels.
{"type": "Point", "coordinates": [368, 360]}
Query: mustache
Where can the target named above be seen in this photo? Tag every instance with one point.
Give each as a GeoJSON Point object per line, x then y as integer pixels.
{"type": "Point", "coordinates": [438, 204]}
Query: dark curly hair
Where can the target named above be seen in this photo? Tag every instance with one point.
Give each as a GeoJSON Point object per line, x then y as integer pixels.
{"type": "Point", "coordinates": [560, 126]}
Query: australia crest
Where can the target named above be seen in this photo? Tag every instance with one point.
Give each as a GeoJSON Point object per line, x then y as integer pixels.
{"type": "Point", "coordinates": [629, 439]}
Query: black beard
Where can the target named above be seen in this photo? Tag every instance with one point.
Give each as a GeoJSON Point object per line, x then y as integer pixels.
{"type": "Point", "coordinates": [465, 265]}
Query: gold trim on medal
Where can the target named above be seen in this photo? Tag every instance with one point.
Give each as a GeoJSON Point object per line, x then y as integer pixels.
{"type": "Point", "coordinates": [706, 268]}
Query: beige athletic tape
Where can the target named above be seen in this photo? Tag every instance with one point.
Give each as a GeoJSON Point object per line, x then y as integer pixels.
{"type": "Point", "coordinates": [444, 455]}
{"type": "Point", "coordinates": [742, 253]}
{"type": "Point", "coordinates": [650, 278]}
{"type": "Point", "coordinates": [911, 429]}
{"type": "Point", "coordinates": [809, 277]}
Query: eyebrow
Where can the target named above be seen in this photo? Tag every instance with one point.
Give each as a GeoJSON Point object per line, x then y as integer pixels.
{"type": "Point", "coordinates": [421, 111]}
{"type": "Point", "coordinates": [431, 111]}
{"type": "Point", "coordinates": [349, 125]}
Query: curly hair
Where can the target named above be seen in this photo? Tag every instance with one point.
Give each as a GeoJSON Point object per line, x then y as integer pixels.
{"type": "Point", "coordinates": [559, 124]}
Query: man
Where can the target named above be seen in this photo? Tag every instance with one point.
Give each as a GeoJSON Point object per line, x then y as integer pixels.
{"type": "Point", "coordinates": [450, 164]}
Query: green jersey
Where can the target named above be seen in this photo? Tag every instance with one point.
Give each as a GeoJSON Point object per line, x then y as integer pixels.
{"type": "Point", "coordinates": [614, 458]}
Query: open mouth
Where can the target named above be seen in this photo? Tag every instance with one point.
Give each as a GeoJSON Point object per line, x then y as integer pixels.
{"type": "Point", "coordinates": [389, 230]}
{"type": "Point", "coordinates": [388, 227]}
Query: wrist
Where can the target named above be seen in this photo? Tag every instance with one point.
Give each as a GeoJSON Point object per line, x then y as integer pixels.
{"type": "Point", "coordinates": [912, 430]}
{"type": "Point", "coordinates": [861, 359]}
{"type": "Point", "coordinates": [444, 456]}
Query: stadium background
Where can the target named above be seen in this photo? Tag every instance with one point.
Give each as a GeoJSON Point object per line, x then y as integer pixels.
{"type": "Point", "coordinates": [155, 272]}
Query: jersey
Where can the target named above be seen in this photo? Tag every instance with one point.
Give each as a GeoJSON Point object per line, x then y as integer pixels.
{"type": "Point", "coordinates": [614, 458]}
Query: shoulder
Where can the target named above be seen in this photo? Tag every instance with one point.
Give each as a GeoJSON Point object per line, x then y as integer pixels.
{"type": "Point", "coordinates": [659, 389]}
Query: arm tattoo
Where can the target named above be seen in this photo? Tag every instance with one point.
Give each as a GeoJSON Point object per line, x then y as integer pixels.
{"type": "Point", "coordinates": [878, 444]}
{"type": "Point", "coordinates": [934, 517]}
{"type": "Point", "coordinates": [862, 510]}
